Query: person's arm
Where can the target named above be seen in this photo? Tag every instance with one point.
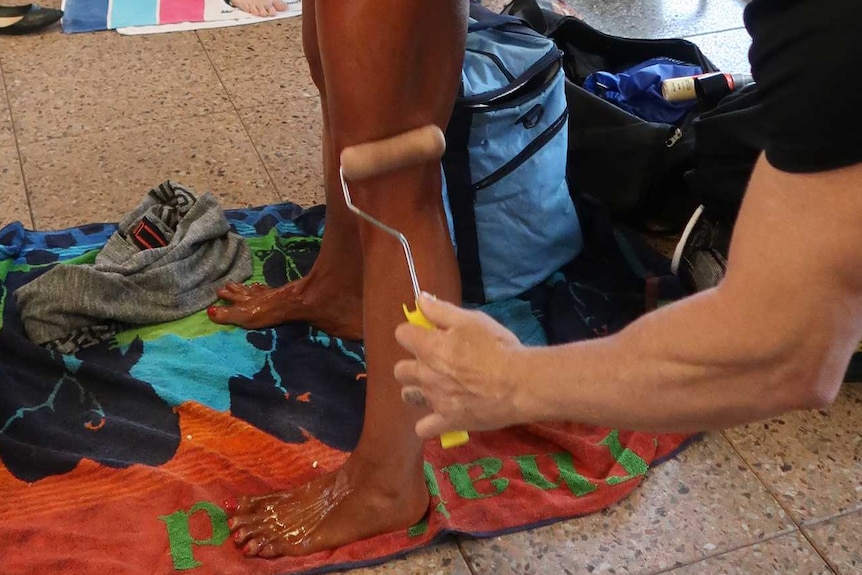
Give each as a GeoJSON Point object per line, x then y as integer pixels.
{"type": "Point", "coordinates": [774, 336]}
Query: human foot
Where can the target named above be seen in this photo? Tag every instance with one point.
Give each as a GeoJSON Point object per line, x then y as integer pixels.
{"type": "Point", "coordinates": [260, 7]}
{"type": "Point", "coordinates": [258, 306]}
{"type": "Point", "coordinates": [333, 510]}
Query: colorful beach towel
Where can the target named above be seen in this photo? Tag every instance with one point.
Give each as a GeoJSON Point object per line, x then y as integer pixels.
{"type": "Point", "coordinates": [115, 459]}
{"type": "Point", "coordinates": [153, 16]}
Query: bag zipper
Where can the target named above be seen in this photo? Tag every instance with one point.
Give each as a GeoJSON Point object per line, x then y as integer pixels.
{"type": "Point", "coordinates": [675, 136]}
{"type": "Point", "coordinates": [543, 71]}
{"type": "Point", "coordinates": [496, 60]}
{"type": "Point", "coordinates": [523, 155]}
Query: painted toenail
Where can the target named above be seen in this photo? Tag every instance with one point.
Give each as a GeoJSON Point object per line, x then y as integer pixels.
{"type": "Point", "coordinates": [230, 504]}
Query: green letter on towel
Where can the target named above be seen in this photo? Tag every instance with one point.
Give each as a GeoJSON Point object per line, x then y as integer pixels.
{"type": "Point", "coordinates": [634, 465]}
{"type": "Point", "coordinates": [181, 539]}
{"type": "Point", "coordinates": [577, 483]}
{"type": "Point", "coordinates": [465, 487]}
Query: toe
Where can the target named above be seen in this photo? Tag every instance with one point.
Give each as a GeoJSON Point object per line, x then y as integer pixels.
{"type": "Point", "coordinates": [279, 5]}
{"type": "Point", "coordinates": [242, 289]}
{"type": "Point", "coordinates": [255, 546]}
{"type": "Point", "coordinates": [241, 535]}
{"type": "Point", "coordinates": [227, 294]}
{"type": "Point", "coordinates": [233, 296]}
{"type": "Point", "coordinates": [248, 505]}
{"type": "Point", "coordinates": [231, 504]}
{"type": "Point", "coordinates": [269, 551]}
{"type": "Point", "coordinates": [230, 296]}
{"type": "Point", "coordinates": [239, 525]}
{"type": "Point", "coordinates": [219, 314]}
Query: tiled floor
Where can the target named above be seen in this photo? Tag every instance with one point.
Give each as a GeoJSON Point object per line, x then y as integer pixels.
{"type": "Point", "coordinates": [89, 122]}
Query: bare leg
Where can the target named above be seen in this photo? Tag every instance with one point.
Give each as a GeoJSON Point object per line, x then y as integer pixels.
{"type": "Point", "coordinates": [261, 7]}
{"type": "Point", "coordinates": [389, 66]}
{"type": "Point", "coordinates": [330, 296]}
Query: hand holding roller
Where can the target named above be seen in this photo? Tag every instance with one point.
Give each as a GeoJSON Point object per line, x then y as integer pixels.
{"type": "Point", "coordinates": [374, 158]}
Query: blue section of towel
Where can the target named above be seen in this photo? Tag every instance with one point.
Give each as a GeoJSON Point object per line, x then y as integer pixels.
{"type": "Point", "coordinates": [85, 15]}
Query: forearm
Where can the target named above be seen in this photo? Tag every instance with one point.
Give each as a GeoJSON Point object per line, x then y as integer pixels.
{"type": "Point", "coordinates": [690, 366]}
{"type": "Point", "coordinates": [776, 335]}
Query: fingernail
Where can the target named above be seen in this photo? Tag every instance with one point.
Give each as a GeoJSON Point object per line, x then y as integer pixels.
{"type": "Point", "coordinates": [412, 396]}
{"type": "Point", "coordinates": [429, 295]}
{"type": "Point", "coordinates": [230, 504]}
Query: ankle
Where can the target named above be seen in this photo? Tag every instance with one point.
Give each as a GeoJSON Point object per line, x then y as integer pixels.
{"type": "Point", "coordinates": [388, 482]}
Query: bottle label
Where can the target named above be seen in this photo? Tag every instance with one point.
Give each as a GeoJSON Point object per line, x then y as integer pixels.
{"type": "Point", "coordinates": [679, 89]}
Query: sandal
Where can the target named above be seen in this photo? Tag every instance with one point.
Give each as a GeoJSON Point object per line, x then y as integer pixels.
{"type": "Point", "coordinates": [16, 20]}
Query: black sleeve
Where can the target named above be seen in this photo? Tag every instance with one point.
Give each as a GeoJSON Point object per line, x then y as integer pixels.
{"type": "Point", "coordinates": [806, 57]}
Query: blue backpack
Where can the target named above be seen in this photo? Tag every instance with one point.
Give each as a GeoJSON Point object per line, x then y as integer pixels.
{"type": "Point", "coordinates": [505, 163]}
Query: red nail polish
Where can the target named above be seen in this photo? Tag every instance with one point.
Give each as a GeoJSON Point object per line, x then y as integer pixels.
{"type": "Point", "coordinates": [211, 310]}
{"type": "Point", "coordinates": [230, 504]}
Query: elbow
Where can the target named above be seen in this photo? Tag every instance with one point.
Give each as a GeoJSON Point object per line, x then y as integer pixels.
{"type": "Point", "coordinates": [809, 393]}
{"type": "Point", "coordinates": [817, 392]}
{"type": "Point", "coordinates": [803, 360]}
{"type": "Point", "coordinates": [806, 381]}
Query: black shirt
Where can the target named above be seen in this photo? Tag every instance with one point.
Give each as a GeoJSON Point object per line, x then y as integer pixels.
{"type": "Point", "coordinates": [806, 57]}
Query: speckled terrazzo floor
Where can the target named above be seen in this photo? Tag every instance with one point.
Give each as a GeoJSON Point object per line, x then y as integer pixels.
{"type": "Point", "coordinates": [89, 122]}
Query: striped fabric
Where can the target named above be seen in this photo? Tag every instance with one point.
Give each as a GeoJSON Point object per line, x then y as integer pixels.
{"type": "Point", "coordinates": [95, 15]}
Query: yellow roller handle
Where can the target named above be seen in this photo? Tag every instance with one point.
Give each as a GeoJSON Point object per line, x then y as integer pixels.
{"type": "Point", "coordinates": [450, 438]}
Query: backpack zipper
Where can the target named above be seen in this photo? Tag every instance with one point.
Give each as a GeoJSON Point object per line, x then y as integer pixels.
{"type": "Point", "coordinates": [673, 138]}
{"type": "Point", "coordinates": [539, 75]}
{"type": "Point", "coordinates": [522, 156]}
{"type": "Point", "coordinates": [496, 60]}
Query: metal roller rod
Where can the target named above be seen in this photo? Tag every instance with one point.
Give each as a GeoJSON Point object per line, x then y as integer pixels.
{"type": "Point", "coordinates": [411, 268]}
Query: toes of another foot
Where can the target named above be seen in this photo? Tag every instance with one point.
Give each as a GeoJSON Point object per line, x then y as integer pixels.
{"type": "Point", "coordinates": [271, 8]}
{"type": "Point", "coordinates": [248, 7]}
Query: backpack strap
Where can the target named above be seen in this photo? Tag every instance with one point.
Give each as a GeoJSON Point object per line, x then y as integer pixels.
{"type": "Point", "coordinates": [462, 201]}
{"type": "Point", "coordinates": [485, 19]}
{"type": "Point", "coordinates": [530, 13]}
